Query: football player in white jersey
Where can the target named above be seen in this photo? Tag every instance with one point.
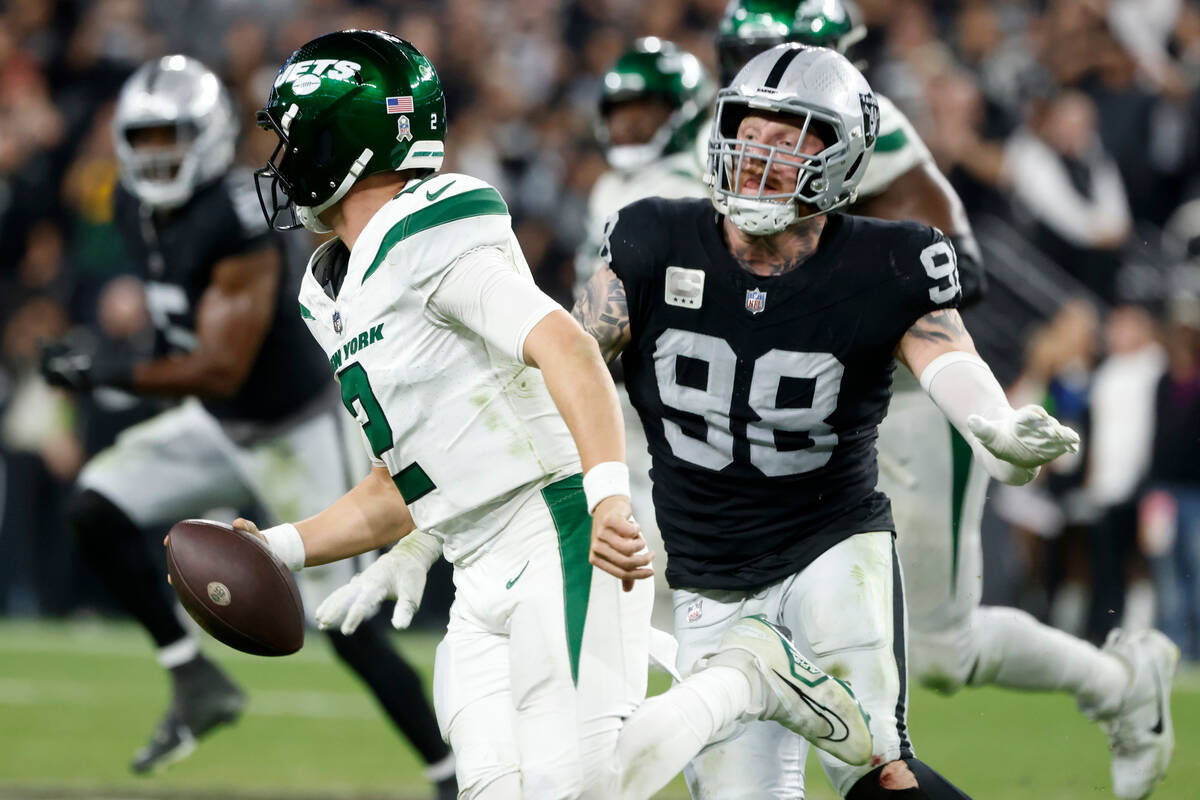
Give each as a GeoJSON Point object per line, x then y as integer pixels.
{"type": "Point", "coordinates": [481, 401]}
{"type": "Point", "coordinates": [653, 103]}
{"type": "Point", "coordinates": [258, 409]}
{"type": "Point", "coordinates": [936, 487]}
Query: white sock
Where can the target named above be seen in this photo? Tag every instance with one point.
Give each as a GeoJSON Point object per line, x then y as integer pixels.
{"type": "Point", "coordinates": [1139, 606]}
{"type": "Point", "coordinates": [667, 731]}
{"type": "Point", "coordinates": [177, 653]}
{"type": "Point", "coordinates": [1018, 652]}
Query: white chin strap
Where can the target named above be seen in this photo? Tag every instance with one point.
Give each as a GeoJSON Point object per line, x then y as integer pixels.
{"type": "Point", "coordinates": [760, 217]}
{"type": "Point", "coordinates": [309, 216]}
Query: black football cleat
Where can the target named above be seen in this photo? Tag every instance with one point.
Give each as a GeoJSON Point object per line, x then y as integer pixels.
{"type": "Point", "coordinates": [204, 699]}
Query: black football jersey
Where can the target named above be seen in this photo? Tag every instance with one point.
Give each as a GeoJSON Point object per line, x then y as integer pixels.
{"type": "Point", "coordinates": [761, 396]}
{"type": "Point", "coordinates": [175, 255]}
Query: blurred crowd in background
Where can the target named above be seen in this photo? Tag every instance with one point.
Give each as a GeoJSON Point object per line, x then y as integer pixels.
{"type": "Point", "coordinates": [1070, 128]}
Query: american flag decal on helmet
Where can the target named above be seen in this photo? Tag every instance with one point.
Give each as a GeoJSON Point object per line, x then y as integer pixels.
{"type": "Point", "coordinates": [400, 105]}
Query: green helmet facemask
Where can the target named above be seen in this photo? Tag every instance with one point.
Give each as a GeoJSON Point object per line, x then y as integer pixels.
{"type": "Point", "coordinates": [752, 26]}
{"type": "Point", "coordinates": [344, 106]}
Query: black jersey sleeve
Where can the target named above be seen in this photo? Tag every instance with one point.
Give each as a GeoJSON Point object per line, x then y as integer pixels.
{"type": "Point", "coordinates": [633, 248]}
{"type": "Point", "coordinates": [241, 227]}
{"type": "Point", "coordinates": [927, 268]}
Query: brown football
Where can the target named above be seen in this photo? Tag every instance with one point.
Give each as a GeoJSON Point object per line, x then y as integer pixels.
{"type": "Point", "coordinates": [235, 588]}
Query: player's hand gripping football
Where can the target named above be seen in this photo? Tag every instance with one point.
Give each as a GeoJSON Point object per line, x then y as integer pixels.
{"type": "Point", "coordinates": [617, 544]}
{"type": "Point", "coordinates": [399, 574]}
{"type": "Point", "coordinates": [1028, 437]}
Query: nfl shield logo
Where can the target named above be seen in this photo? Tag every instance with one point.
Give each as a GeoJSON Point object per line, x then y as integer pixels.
{"type": "Point", "coordinates": [337, 322]}
{"type": "Point", "coordinates": [695, 610]}
{"type": "Point", "coordinates": [403, 129]}
{"type": "Point", "coordinates": [756, 301]}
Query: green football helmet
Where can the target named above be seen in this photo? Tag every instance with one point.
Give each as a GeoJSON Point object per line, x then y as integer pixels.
{"type": "Point", "coordinates": [654, 67]}
{"type": "Point", "coordinates": [751, 26]}
{"type": "Point", "coordinates": [344, 106]}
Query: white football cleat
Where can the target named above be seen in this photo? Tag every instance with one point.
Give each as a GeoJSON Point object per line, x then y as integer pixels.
{"type": "Point", "coordinates": [801, 697]}
{"type": "Point", "coordinates": [1140, 734]}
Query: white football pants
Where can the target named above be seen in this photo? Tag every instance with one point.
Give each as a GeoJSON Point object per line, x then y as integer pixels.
{"type": "Point", "coordinates": [846, 614]}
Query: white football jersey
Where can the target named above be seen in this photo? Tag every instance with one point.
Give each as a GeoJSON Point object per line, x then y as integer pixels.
{"type": "Point", "coordinates": [677, 175]}
{"type": "Point", "coordinates": [458, 424]}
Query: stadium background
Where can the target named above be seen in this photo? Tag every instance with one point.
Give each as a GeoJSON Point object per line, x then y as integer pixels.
{"type": "Point", "coordinates": [1094, 300]}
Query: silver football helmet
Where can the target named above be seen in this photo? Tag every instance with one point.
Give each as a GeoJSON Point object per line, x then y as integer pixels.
{"type": "Point", "coordinates": [181, 93]}
{"type": "Point", "coordinates": [828, 96]}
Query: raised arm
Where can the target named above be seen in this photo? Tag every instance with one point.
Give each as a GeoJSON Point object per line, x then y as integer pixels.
{"type": "Point", "coordinates": [603, 312]}
{"type": "Point", "coordinates": [1010, 443]}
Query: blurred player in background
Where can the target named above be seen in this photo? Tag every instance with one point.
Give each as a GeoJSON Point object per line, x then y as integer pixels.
{"type": "Point", "coordinates": [259, 423]}
{"type": "Point", "coordinates": [481, 401]}
{"type": "Point", "coordinates": [653, 104]}
{"type": "Point", "coordinates": [937, 487]}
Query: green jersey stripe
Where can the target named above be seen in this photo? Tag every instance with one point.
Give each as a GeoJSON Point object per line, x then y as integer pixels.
{"type": "Point", "coordinates": [568, 509]}
{"type": "Point", "coordinates": [413, 483]}
{"type": "Point", "coordinates": [891, 141]}
{"type": "Point", "coordinates": [305, 313]}
{"type": "Point", "coordinates": [961, 456]}
{"type": "Point", "coordinates": [475, 203]}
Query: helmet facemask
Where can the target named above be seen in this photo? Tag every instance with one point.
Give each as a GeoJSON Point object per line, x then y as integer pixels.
{"type": "Point", "coordinates": [173, 130]}
{"type": "Point", "coordinates": [282, 190]}
{"type": "Point", "coordinates": [627, 157]}
{"type": "Point", "coordinates": [279, 188]}
{"type": "Point", "coordinates": [768, 210]}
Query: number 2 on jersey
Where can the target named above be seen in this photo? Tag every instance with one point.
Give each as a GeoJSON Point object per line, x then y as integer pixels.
{"type": "Point", "coordinates": [806, 426]}
{"type": "Point", "coordinates": [357, 389]}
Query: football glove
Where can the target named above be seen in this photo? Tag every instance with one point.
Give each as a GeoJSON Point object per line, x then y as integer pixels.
{"type": "Point", "coordinates": [70, 368]}
{"type": "Point", "coordinates": [1028, 437]}
{"type": "Point", "coordinates": [399, 574]}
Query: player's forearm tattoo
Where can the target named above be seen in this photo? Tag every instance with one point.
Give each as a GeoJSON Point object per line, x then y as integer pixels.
{"type": "Point", "coordinates": [603, 311]}
{"type": "Point", "coordinates": [940, 326]}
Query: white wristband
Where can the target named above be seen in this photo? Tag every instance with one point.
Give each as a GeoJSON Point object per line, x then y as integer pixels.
{"type": "Point", "coordinates": [285, 542]}
{"type": "Point", "coordinates": [605, 480]}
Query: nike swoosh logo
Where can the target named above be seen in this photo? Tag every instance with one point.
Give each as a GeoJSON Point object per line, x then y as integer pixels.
{"type": "Point", "coordinates": [1158, 688]}
{"type": "Point", "coordinates": [838, 730]}
{"type": "Point", "coordinates": [435, 195]}
{"type": "Point", "coordinates": [509, 585]}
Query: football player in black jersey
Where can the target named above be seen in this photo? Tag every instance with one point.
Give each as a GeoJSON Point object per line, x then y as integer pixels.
{"type": "Point", "coordinates": [259, 414]}
{"type": "Point", "coordinates": [938, 499]}
{"type": "Point", "coordinates": [758, 345]}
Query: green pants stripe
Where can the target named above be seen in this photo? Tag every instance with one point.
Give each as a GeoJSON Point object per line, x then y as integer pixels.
{"type": "Point", "coordinates": [568, 509]}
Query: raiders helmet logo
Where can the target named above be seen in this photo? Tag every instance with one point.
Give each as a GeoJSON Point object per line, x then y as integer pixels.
{"type": "Point", "coordinates": [870, 112]}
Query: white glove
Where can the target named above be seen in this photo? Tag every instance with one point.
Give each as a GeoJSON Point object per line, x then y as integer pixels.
{"type": "Point", "coordinates": [399, 574]}
{"type": "Point", "coordinates": [1028, 437]}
